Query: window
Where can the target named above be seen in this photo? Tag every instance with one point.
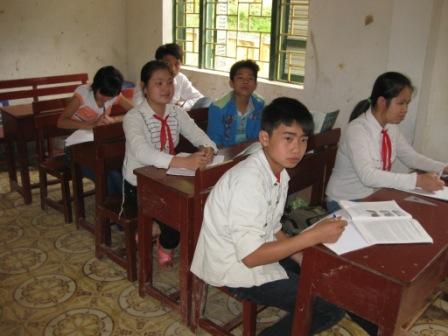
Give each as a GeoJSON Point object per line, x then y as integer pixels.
{"type": "Point", "coordinates": [214, 34]}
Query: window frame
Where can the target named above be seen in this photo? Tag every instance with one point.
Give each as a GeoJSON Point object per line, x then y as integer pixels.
{"type": "Point", "coordinates": [277, 68]}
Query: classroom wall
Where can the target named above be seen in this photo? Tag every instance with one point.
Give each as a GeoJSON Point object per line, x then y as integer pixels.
{"type": "Point", "coordinates": [350, 44]}
{"type": "Point", "coordinates": [53, 37]}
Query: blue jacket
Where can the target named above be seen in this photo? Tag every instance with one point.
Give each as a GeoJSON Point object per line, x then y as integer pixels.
{"type": "Point", "coordinates": [222, 120]}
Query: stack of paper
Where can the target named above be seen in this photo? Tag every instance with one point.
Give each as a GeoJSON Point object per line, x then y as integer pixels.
{"type": "Point", "coordinates": [439, 194]}
{"type": "Point", "coordinates": [188, 172]}
{"type": "Point", "coordinates": [371, 223]}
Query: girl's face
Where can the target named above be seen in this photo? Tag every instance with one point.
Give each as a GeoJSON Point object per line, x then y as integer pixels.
{"type": "Point", "coordinates": [160, 88]}
{"type": "Point", "coordinates": [398, 107]}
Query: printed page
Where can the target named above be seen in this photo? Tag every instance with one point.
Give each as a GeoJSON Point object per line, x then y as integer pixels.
{"type": "Point", "coordinates": [350, 240]}
{"type": "Point", "coordinates": [188, 172]}
{"type": "Point", "coordinates": [439, 194]}
{"type": "Point", "coordinates": [79, 136]}
{"type": "Point", "coordinates": [374, 211]}
{"type": "Point", "coordinates": [397, 231]}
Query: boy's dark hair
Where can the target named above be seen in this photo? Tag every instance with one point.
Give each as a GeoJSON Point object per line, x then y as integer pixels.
{"type": "Point", "coordinates": [107, 81]}
{"type": "Point", "coordinates": [284, 110]}
{"type": "Point", "coordinates": [249, 64]}
{"type": "Point", "coordinates": [388, 85]}
{"type": "Point", "coordinates": [152, 66]}
{"type": "Point", "coordinates": [172, 49]}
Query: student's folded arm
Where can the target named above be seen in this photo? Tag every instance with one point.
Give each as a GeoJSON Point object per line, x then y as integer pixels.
{"type": "Point", "coordinates": [411, 158]}
{"type": "Point", "coordinates": [367, 169]}
{"type": "Point", "coordinates": [215, 128]}
{"type": "Point", "coordinates": [193, 133]}
{"type": "Point", "coordinates": [144, 152]}
{"type": "Point", "coordinates": [65, 118]}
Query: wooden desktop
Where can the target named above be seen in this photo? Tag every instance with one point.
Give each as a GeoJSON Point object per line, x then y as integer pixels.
{"type": "Point", "coordinates": [385, 284]}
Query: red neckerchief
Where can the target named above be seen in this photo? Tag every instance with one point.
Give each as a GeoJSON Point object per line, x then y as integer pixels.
{"type": "Point", "coordinates": [386, 150]}
{"type": "Point", "coordinates": [165, 132]}
{"type": "Point", "coordinates": [277, 176]}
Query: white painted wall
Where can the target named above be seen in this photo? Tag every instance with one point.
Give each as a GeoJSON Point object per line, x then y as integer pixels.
{"type": "Point", "coordinates": [345, 54]}
{"type": "Point", "coordinates": [53, 37]}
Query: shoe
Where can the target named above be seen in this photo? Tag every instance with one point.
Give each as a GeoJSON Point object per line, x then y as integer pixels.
{"type": "Point", "coordinates": [165, 258]}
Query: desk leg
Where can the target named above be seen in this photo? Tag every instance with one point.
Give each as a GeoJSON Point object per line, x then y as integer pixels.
{"type": "Point", "coordinates": [22, 156]}
{"type": "Point", "coordinates": [11, 164]}
{"type": "Point", "coordinates": [78, 191]}
{"type": "Point", "coordinates": [304, 302]}
{"type": "Point", "coordinates": [185, 277]}
{"type": "Point", "coordinates": [145, 251]}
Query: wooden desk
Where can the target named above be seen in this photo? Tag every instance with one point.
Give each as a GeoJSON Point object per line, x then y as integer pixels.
{"type": "Point", "coordinates": [168, 199]}
{"type": "Point", "coordinates": [18, 125]}
{"type": "Point", "coordinates": [385, 284]}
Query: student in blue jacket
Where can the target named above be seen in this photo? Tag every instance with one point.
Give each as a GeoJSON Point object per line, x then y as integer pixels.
{"type": "Point", "coordinates": [236, 117]}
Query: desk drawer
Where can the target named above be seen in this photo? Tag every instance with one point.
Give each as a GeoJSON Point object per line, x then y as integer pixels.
{"type": "Point", "coordinates": [162, 205]}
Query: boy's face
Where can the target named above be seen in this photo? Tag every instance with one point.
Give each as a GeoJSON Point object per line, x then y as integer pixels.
{"type": "Point", "coordinates": [173, 63]}
{"type": "Point", "coordinates": [244, 82]}
{"type": "Point", "coordinates": [285, 147]}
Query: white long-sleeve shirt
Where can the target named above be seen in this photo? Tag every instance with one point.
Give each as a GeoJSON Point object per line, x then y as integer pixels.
{"type": "Point", "coordinates": [142, 133]}
{"type": "Point", "coordinates": [184, 93]}
{"type": "Point", "coordinates": [358, 168]}
{"type": "Point", "coordinates": [242, 213]}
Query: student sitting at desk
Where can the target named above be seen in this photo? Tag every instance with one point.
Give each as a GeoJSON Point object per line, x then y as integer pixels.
{"type": "Point", "coordinates": [152, 132]}
{"type": "Point", "coordinates": [91, 106]}
{"type": "Point", "coordinates": [372, 142]}
{"type": "Point", "coordinates": [185, 94]}
{"type": "Point", "coordinates": [240, 243]}
{"type": "Point", "coordinates": [236, 117]}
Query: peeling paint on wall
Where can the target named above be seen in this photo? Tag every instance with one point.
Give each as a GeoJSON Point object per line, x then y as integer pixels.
{"type": "Point", "coordinates": [368, 20]}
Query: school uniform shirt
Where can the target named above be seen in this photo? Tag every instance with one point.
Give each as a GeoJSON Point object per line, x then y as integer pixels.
{"type": "Point", "coordinates": [142, 131]}
{"type": "Point", "coordinates": [222, 125]}
{"type": "Point", "coordinates": [184, 92]}
{"type": "Point", "coordinates": [89, 110]}
{"type": "Point", "coordinates": [358, 168]}
{"type": "Point", "coordinates": [242, 213]}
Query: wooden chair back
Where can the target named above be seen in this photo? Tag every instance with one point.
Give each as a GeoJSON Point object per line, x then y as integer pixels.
{"type": "Point", "coordinates": [109, 142]}
{"type": "Point", "coordinates": [37, 87]}
{"type": "Point", "coordinates": [46, 114]}
{"type": "Point", "coordinates": [327, 141]}
{"type": "Point", "coordinates": [200, 117]}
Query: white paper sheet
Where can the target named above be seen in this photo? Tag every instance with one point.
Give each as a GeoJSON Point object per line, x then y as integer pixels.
{"type": "Point", "coordinates": [188, 172]}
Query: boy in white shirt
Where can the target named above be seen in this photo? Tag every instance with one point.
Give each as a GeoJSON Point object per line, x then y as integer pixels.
{"type": "Point", "coordinates": [241, 242]}
{"type": "Point", "coordinates": [185, 94]}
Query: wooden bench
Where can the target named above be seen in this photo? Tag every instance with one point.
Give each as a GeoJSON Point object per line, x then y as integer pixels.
{"type": "Point", "coordinates": [18, 121]}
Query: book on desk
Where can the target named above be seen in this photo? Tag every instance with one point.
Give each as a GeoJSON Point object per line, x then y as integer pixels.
{"type": "Point", "coordinates": [370, 223]}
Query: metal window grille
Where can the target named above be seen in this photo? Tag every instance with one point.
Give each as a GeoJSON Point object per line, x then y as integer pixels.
{"type": "Point", "coordinates": [216, 33]}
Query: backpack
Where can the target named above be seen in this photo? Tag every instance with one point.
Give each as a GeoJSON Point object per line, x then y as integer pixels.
{"type": "Point", "coordinates": [299, 215]}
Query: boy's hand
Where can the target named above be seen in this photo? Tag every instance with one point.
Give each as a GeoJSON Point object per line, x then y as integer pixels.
{"type": "Point", "coordinates": [329, 230]}
{"type": "Point", "coordinates": [429, 182]}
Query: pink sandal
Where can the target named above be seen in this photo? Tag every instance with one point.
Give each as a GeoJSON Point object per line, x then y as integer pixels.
{"type": "Point", "coordinates": [164, 258]}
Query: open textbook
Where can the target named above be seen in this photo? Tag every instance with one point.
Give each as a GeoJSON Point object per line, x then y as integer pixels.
{"type": "Point", "coordinates": [188, 172]}
{"type": "Point", "coordinates": [371, 223]}
{"type": "Point", "coordinates": [324, 121]}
